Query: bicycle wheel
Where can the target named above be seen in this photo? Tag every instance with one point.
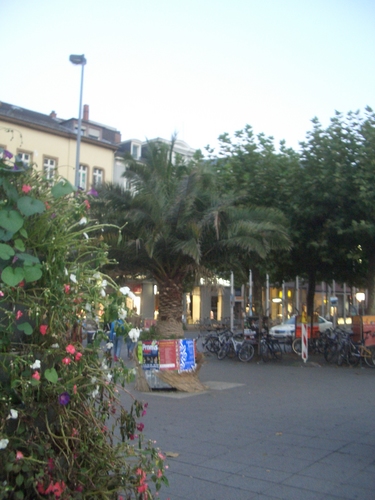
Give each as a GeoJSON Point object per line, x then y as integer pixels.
{"type": "Point", "coordinates": [265, 352]}
{"type": "Point", "coordinates": [370, 360]}
{"type": "Point", "coordinates": [276, 350]}
{"type": "Point", "coordinates": [223, 351]}
{"type": "Point", "coordinates": [331, 352]}
{"type": "Point", "coordinates": [212, 344]}
{"type": "Point", "coordinates": [353, 355]}
{"type": "Point", "coordinates": [297, 346]}
{"type": "Point", "coordinates": [246, 352]}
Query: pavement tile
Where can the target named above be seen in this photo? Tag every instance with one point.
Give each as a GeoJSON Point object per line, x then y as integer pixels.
{"type": "Point", "coordinates": [285, 492]}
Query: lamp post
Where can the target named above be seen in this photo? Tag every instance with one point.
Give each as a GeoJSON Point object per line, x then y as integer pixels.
{"type": "Point", "coordinates": [80, 60]}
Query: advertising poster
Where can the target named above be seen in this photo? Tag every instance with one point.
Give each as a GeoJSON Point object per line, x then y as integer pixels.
{"type": "Point", "coordinates": [368, 330]}
{"type": "Point", "coordinates": [169, 354]}
{"type": "Point", "coordinates": [150, 355]}
{"type": "Point", "coordinates": [187, 355]}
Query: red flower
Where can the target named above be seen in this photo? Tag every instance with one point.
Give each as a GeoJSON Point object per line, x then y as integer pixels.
{"type": "Point", "coordinates": [70, 349]}
{"type": "Point", "coordinates": [78, 356]}
{"type": "Point", "coordinates": [140, 427]}
{"type": "Point", "coordinates": [66, 361]}
{"type": "Point", "coordinates": [43, 329]}
{"type": "Point", "coordinates": [142, 488]}
{"type": "Point", "coordinates": [26, 188]}
{"type": "Point", "coordinates": [19, 314]}
{"type": "Point", "coordinates": [66, 288]}
{"type": "Point", "coordinates": [36, 375]}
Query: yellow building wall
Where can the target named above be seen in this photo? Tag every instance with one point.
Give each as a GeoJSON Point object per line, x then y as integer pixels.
{"type": "Point", "coordinates": [42, 144]}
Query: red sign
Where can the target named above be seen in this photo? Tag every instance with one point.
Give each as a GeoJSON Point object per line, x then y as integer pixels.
{"type": "Point", "coordinates": [169, 354]}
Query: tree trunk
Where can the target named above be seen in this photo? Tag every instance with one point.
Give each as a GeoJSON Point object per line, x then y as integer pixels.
{"type": "Point", "coordinates": [370, 309]}
{"type": "Point", "coordinates": [311, 293]}
{"type": "Point", "coordinates": [170, 308]}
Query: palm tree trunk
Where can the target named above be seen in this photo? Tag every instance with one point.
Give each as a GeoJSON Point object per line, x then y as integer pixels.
{"type": "Point", "coordinates": [170, 307]}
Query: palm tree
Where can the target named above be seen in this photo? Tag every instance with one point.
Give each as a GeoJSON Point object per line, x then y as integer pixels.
{"type": "Point", "coordinates": [175, 225]}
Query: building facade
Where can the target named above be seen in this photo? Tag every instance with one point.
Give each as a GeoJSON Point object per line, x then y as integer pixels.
{"type": "Point", "coordinates": [50, 143]}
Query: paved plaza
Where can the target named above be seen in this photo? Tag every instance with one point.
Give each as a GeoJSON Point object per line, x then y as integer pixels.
{"type": "Point", "coordinates": [281, 430]}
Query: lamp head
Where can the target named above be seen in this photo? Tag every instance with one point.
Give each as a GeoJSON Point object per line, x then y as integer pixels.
{"type": "Point", "coordinates": [77, 59]}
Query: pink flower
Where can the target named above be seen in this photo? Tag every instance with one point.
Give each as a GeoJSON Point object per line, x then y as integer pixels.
{"type": "Point", "coordinates": [86, 202]}
{"type": "Point", "coordinates": [66, 361]}
{"type": "Point", "coordinates": [19, 455]}
{"type": "Point", "coordinates": [160, 455]}
{"type": "Point", "coordinates": [140, 427]}
{"type": "Point", "coordinates": [36, 375]}
{"type": "Point", "coordinates": [26, 188]}
{"type": "Point", "coordinates": [74, 389]}
{"type": "Point", "coordinates": [66, 288]}
{"type": "Point", "coordinates": [142, 488]}
{"type": "Point", "coordinates": [43, 329]}
{"type": "Point", "coordinates": [19, 314]}
{"type": "Point", "coordinates": [1, 294]}
{"type": "Point", "coordinates": [159, 474]}
{"type": "Point", "coordinates": [78, 356]}
{"type": "Point", "coordinates": [70, 349]}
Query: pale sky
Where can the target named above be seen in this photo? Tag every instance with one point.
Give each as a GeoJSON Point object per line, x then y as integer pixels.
{"type": "Point", "coordinates": [197, 67]}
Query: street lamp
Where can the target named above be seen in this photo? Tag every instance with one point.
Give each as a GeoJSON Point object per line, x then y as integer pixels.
{"type": "Point", "coordinates": [360, 296]}
{"type": "Point", "coordinates": [80, 60]}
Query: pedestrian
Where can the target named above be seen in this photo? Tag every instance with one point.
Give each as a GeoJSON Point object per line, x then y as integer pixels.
{"type": "Point", "coordinates": [119, 329]}
{"type": "Point", "coordinates": [89, 328]}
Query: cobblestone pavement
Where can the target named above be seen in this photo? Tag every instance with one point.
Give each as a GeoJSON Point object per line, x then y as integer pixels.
{"type": "Point", "coordinates": [283, 430]}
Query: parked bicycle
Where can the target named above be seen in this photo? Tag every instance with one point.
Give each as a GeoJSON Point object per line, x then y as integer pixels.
{"type": "Point", "coordinates": [236, 345]}
{"type": "Point", "coordinates": [270, 348]}
{"type": "Point", "coordinates": [352, 353]}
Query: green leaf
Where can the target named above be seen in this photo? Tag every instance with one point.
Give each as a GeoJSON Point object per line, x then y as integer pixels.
{"type": "Point", "coordinates": [62, 188]}
{"type": "Point", "coordinates": [18, 495]}
{"type": "Point", "coordinates": [12, 276]}
{"type": "Point", "coordinates": [6, 235]}
{"type": "Point", "coordinates": [51, 375]}
{"type": "Point", "coordinates": [27, 258]}
{"type": "Point", "coordinates": [6, 251]}
{"type": "Point", "coordinates": [30, 206]}
{"type": "Point", "coordinates": [23, 232]}
{"type": "Point", "coordinates": [11, 220]}
{"type": "Point", "coordinates": [19, 244]}
{"type": "Point", "coordinates": [26, 328]}
{"type": "Point", "coordinates": [19, 479]}
{"type": "Point", "coordinates": [32, 273]}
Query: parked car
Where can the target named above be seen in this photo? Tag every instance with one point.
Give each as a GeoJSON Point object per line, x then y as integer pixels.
{"type": "Point", "coordinates": [287, 329]}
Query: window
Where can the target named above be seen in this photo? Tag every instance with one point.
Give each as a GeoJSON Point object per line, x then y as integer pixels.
{"type": "Point", "coordinates": [94, 133]}
{"type": "Point", "coordinates": [25, 158]}
{"type": "Point", "coordinates": [82, 183]}
{"type": "Point", "coordinates": [49, 167]}
{"type": "Point", "coordinates": [97, 176]}
{"type": "Point", "coordinates": [135, 151]}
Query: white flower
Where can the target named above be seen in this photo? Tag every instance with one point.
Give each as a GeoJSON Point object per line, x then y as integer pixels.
{"type": "Point", "coordinates": [95, 392]}
{"type": "Point", "coordinates": [73, 278]}
{"type": "Point", "coordinates": [104, 365]}
{"type": "Point", "coordinates": [97, 276]}
{"type": "Point", "coordinates": [122, 313]}
{"type": "Point", "coordinates": [134, 334]}
{"type": "Point", "coordinates": [66, 271]}
{"type": "Point", "coordinates": [102, 292]}
{"type": "Point", "coordinates": [86, 236]}
{"type": "Point", "coordinates": [109, 345]}
{"type": "Point", "coordinates": [88, 307]}
{"type": "Point", "coordinates": [83, 221]}
{"type": "Point", "coordinates": [13, 414]}
{"type": "Point", "coordinates": [125, 290]}
{"type": "Point", "coordinates": [109, 377]}
{"type": "Point", "coordinates": [3, 443]}
{"type": "Point", "coordinates": [35, 365]}
{"type": "Point", "coordinates": [55, 346]}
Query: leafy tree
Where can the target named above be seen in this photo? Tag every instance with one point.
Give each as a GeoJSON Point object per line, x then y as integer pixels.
{"type": "Point", "coordinates": [179, 223]}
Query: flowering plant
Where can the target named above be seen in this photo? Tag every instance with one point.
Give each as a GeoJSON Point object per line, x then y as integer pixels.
{"type": "Point", "coordinates": [64, 429]}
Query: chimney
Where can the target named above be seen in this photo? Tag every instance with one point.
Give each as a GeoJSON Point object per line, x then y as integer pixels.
{"type": "Point", "coordinates": [86, 112]}
{"type": "Point", "coordinates": [53, 114]}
